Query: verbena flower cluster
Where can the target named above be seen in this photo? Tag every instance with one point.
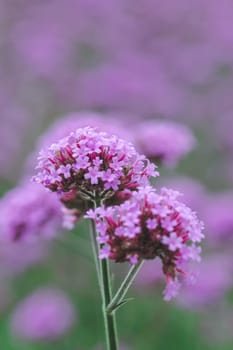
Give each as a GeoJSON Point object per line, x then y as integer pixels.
{"type": "Point", "coordinates": [150, 225]}
{"type": "Point", "coordinates": [89, 164]}
{"type": "Point", "coordinates": [47, 314]}
{"type": "Point", "coordinates": [29, 212]}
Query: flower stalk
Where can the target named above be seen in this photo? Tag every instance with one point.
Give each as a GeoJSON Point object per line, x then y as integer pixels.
{"type": "Point", "coordinates": [95, 249]}
{"type": "Point", "coordinates": [103, 273]}
{"type": "Point", "coordinates": [109, 318]}
{"type": "Point", "coordinates": [118, 299]}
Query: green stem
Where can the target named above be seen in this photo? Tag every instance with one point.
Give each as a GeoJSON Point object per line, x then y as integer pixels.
{"type": "Point", "coordinates": [95, 248]}
{"type": "Point", "coordinates": [120, 294]}
{"type": "Point", "coordinates": [109, 319]}
{"type": "Point", "coordinates": [102, 267]}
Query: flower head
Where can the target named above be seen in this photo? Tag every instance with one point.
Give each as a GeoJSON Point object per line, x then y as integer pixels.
{"type": "Point", "coordinates": [88, 163]}
{"type": "Point", "coordinates": [151, 225]}
{"type": "Point", "coordinates": [29, 212]}
{"type": "Point", "coordinates": [47, 314]}
{"type": "Point", "coordinates": [166, 142]}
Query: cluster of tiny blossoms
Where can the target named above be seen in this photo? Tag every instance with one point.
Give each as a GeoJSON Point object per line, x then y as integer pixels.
{"type": "Point", "coordinates": [88, 164]}
{"type": "Point", "coordinates": [151, 225]}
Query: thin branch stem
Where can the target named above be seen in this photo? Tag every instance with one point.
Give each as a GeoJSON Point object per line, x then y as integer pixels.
{"type": "Point", "coordinates": [95, 248]}
{"type": "Point", "coordinates": [87, 195]}
{"type": "Point", "coordinates": [122, 291]}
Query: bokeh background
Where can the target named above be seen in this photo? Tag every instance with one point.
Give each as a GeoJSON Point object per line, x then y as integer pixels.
{"type": "Point", "coordinates": [129, 61]}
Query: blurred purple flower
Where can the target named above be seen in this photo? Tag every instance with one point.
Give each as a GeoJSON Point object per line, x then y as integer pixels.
{"type": "Point", "coordinates": [28, 212]}
{"type": "Point", "coordinates": [14, 123]}
{"type": "Point", "coordinates": [15, 258]}
{"type": "Point", "coordinates": [218, 216]}
{"type": "Point", "coordinates": [193, 192]}
{"type": "Point", "coordinates": [167, 142]}
{"type": "Point", "coordinates": [141, 54]}
{"type": "Point", "coordinates": [47, 314]}
{"type": "Point", "coordinates": [150, 273]}
{"type": "Point", "coordinates": [134, 83]}
{"type": "Point", "coordinates": [212, 282]}
{"type": "Point", "coordinates": [223, 130]}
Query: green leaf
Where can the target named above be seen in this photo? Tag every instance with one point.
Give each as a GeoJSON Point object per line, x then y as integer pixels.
{"type": "Point", "coordinates": [123, 302]}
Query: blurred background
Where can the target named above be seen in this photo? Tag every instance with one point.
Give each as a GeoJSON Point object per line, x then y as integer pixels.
{"type": "Point", "coordinates": [156, 73]}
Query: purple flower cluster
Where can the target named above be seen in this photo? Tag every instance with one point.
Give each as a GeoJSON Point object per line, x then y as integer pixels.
{"type": "Point", "coordinates": [151, 225]}
{"type": "Point", "coordinates": [166, 142]}
{"type": "Point", "coordinates": [47, 314]}
{"type": "Point", "coordinates": [216, 211]}
{"type": "Point", "coordinates": [88, 164]}
{"type": "Point", "coordinates": [29, 212]}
